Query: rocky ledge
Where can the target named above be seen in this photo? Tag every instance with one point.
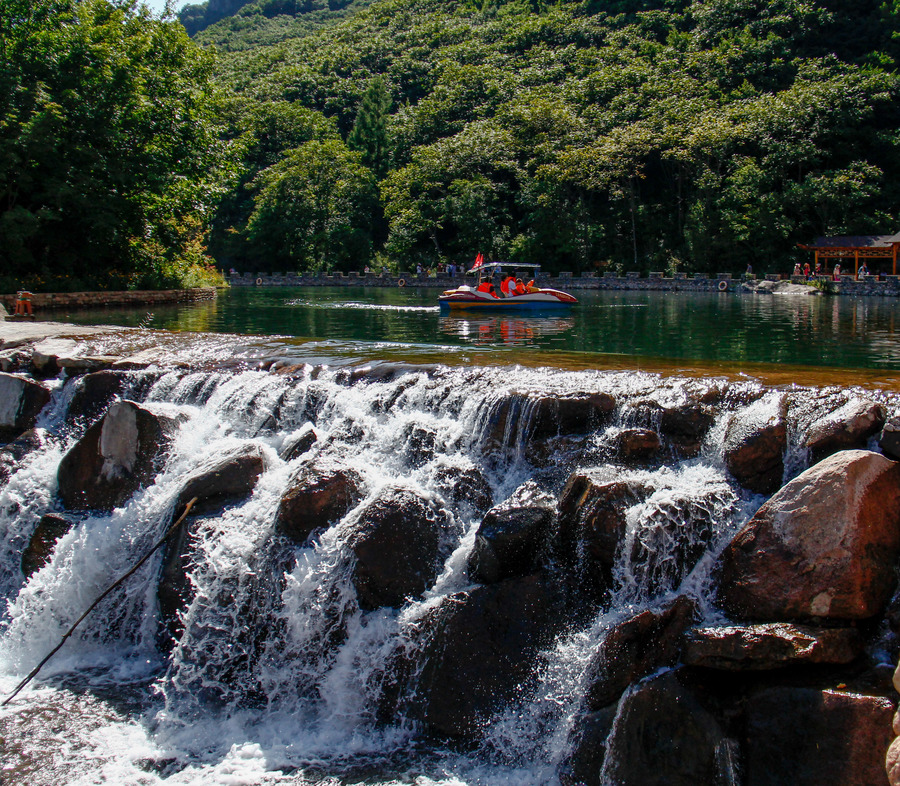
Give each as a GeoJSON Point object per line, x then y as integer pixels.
{"type": "Point", "coordinates": [784, 676]}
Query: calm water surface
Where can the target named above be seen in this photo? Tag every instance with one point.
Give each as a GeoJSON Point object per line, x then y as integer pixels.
{"type": "Point", "coordinates": [715, 329]}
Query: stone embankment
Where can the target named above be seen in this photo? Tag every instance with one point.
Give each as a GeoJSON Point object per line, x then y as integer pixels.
{"type": "Point", "coordinates": [885, 286]}
{"type": "Point", "coordinates": [58, 300]}
{"type": "Point", "coordinates": [789, 684]}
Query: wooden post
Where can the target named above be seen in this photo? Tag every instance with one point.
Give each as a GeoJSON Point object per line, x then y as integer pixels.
{"type": "Point", "coordinates": [816, 265]}
{"type": "Point", "coordinates": [856, 264]}
{"type": "Point", "coordinates": [894, 248]}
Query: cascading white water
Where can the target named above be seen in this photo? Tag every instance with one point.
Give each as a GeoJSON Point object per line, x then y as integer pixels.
{"type": "Point", "coordinates": [278, 667]}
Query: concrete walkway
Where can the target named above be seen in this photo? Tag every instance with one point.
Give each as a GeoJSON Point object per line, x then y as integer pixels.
{"type": "Point", "coordinates": [14, 334]}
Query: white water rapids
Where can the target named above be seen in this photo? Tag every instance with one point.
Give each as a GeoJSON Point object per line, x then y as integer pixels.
{"type": "Point", "coordinates": [257, 691]}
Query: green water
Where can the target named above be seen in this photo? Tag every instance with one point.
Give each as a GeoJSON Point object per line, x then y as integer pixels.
{"type": "Point", "coordinates": [717, 328]}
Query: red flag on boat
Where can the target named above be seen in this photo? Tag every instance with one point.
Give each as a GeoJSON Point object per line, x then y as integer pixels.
{"type": "Point", "coordinates": [479, 261]}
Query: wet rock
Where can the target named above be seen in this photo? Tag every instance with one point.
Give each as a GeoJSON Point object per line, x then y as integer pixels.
{"type": "Point", "coordinates": [13, 453]}
{"type": "Point", "coordinates": [635, 648]}
{"type": "Point", "coordinates": [482, 650]}
{"type": "Point", "coordinates": [464, 486]}
{"type": "Point", "coordinates": [663, 736]}
{"type": "Point", "coordinates": [824, 546]}
{"type": "Point", "coordinates": [685, 426]}
{"type": "Point", "coordinates": [395, 539]}
{"type": "Point", "coordinates": [848, 427]}
{"type": "Point", "coordinates": [892, 763]}
{"type": "Point", "coordinates": [754, 446]}
{"type": "Point", "coordinates": [320, 493]}
{"type": "Point", "coordinates": [636, 444]}
{"type": "Point", "coordinates": [580, 413]}
{"type": "Point", "coordinates": [510, 538]}
{"type": "Point", "coordinates": [16, 359]}
{"type": "Point", "coordinates": [45, 355]}
{"type": "Point", "coordinates": [889, 440]}
{"type": "Point", "coordinates": [588, 749]}
{"type": "Point", "coordinates": [298, 443]}
{"type": "Point", "coordinates": [222, 480]}
{"type": "Point", "coordinates": [21, 401]}
{"type": "Point", "coordinates": [174, 591]}
{"type": "Point", "coordinates": [592, 521]}
{"type": "Point", "coordinates": [418, 445]}
{"type": "Point", "coordinates": [93, 394]}
{"type": "Point", "coordinates": [816, 738]}
{"type": "Point", "coordinates": [39, 551]}
{"type": "Point", "coordinates": [769, 646]}
{"type": "Point", "coordinates": [119, 454]}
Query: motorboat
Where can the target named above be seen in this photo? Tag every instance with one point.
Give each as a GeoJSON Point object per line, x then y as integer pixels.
{"type": "Point", "coordinates": [482, 294]}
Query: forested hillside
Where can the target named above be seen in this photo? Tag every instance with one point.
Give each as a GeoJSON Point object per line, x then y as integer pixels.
{"type": "Point", "coordinates": [585, 135]}
{"type": "Point", "coordinates": [641, 134]}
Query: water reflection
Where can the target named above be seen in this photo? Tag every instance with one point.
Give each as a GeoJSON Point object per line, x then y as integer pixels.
{"type": "Point", "coordinates": [496, 328]}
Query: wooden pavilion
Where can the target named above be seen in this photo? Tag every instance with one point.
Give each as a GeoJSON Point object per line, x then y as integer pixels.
{"type": "Point", "coordinates": [856, 247]}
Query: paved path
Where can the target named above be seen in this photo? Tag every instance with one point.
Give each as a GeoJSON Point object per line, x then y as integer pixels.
{"type": "Point", "coordinates": [13, 334]}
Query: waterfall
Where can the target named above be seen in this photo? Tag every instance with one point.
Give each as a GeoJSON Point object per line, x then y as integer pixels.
{"type": "Point", "coordinates": [280, 674]}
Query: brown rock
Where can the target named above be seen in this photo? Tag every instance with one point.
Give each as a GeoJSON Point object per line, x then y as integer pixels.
{"type": "Point", "coordinates": [636, 444]}
{"type": "Point", "coordinates": [663, 736]}
{"type": "Point", "coordinates": [754, 446]}
{"type": "Point", "coordinates": [808, 737]}
{"type": "Point", "coordinates": [584, 765]}
{"type": "Point", "coordinates": [297, 444]}
{"type": "Point", "coordinates": [511, 536]}
{"type": "Point", "coordinates": [686, 426]}
{"type": "Point", "coordinates": [845, 428]}
{"type": "Point", "coordinates": [592, 517]}
{"type": "Point", "coordinates": [892, 763]}
{"type": "Point", "coordinates": [635, 648]}
{"type": "Point", "coordinates": [116, 456]}
{"type": "Point", "coordinates": [824, 546]}
{"type": "Point", "coordinates": [319, 494]}
{"type": "Point", "coordinates": [482, 650]}
{"type": "Point", "coordinates": [93, 394]}
{"type": "Point", "coordinates": [771, 646]}
{"type": "Point", "coordinates": [223, 479]}
{"type": "Point", "coordinates": [43, 541]}
{"type": "Point", "coordinates": [21, 400]}
{"type": "Point", "coordinates": [465, 486]}
{"type": "Point", "coordinates": [570, 414]}
{"type": "Point", "coordinates": [395, 539]}
{"type": "Point", "coordinates": [889, 441]}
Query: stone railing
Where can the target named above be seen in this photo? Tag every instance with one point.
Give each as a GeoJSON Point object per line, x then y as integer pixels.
{"type": "Point", "coordinates": [888, 286]}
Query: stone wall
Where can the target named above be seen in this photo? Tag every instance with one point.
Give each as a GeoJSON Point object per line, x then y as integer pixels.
{"type": "Point", "coordinates": [50, 300]}
{"type": "Point", "coordinates": [887, 286]}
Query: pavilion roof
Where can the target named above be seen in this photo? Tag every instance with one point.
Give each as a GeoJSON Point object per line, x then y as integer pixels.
{"type": "Point", "coordinates": [856, 241]}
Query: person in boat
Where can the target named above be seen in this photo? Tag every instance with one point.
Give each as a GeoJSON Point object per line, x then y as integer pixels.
{"type": "Point", "coordinates": [520, 287]}
{"type": "Point", "coordinates": [508, 287]}
{"type": "Point", "coordinates": [530, 287]}
{"type": "Point", "coordinates": [487, 286]}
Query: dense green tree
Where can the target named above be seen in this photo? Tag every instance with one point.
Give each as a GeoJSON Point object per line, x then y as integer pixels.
{"type": "Point", "coordinates": [370, 130]}
{"type": "Point", "coordinates": [313, 208]}
{"type": "Point", "coordinates": [108, 152]}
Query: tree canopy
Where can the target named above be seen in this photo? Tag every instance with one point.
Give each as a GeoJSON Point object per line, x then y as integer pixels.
{"type": "Point", "coordinates": [110, 161]}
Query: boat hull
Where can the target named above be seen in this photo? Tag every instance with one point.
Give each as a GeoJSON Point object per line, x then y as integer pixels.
{"type": "Point", "coordinates": [466, 298]}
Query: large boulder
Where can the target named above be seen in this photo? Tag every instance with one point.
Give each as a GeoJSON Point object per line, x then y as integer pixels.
{"type": "Point", "coordinates": [809, 737]}
{"type": "Point", "coordinates": [39, 551]}
{"type": "Point", "coordinates": [578, 413]}
{"type": "Point", "coordinates": [754, 446]}
{"type": "Point", "coordinates": [636, 444]}
{"type": "Point", "coordinates": [119, 454]}
{"type": "Point", "coordinates": [21, 400]}
{"type": "Point", "coordinates": [395, 539]}
{"type": "Point", "coordinates": [824, 546]}
{"type": "Point", "coordinates": [223, 479]}
{"type": "Point", "coordinates": [584, 764]}
{"type": "Point", "coordinates": [889, 439]}
{"type": "Point", "coordinates": [298, 443]}
{"type": "Point", "coordinates": [685, 425]}
{"type": "Point", "coordinates": [510, 538]}
{"type": "Point", "coordinates": [847, 427]}
{"type": "Point", "coordinates": [769, 646]}
{"type": "Point", "coordinates": [636, 647]}
{"type": "Point", "coordinates": [482, 652]}
{"type": "Point", "coordinates": [663, 736]}
{"type": "Point", "coordinates": [320, 493]}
